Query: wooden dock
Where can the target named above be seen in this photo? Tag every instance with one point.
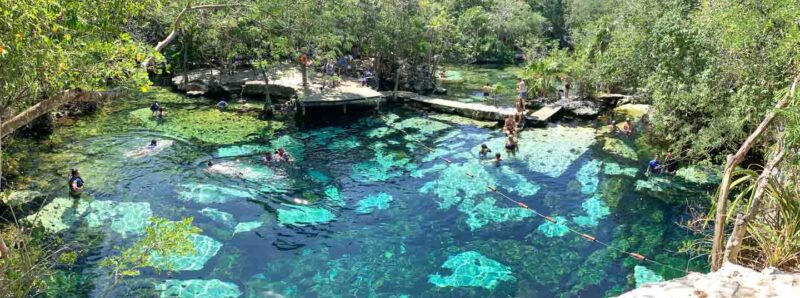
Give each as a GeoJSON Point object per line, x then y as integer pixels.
{"type": "Point", "coordinates": [474, 110]}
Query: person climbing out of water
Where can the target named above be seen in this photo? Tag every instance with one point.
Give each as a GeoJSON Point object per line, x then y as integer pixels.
{"type": "Point", "coordinates": [154, 107]}
{"type": "Point", "coordinates": [627, 128]}
{"type": "Point", "coordinates": [75, 183]}
{"type": "Point", "coordinates": [484, 151]}
{"type": "Point", "coordinates": [522, 89]}
{"type": "Point", "coordinates": [497, 159]}
{"type": "Point", "coordinates": [654, 166]}
{"type": "Point", "coordinates": [510, 126]}
{"type": "Point", "coordinates": [222, 104]}
{"type": "Point", "coordinates": [511, 145]}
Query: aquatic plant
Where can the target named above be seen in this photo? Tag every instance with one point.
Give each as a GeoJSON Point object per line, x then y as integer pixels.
{"type": "Point", "coordinates": [471, 269]}
{"type": "Point", "coordinates": [192, 288]}
{"type": "Point", "coordinates": [204, 249]}
{"type": "Point", "coordinates": [58, 215]}
{"type": "Point", "coordinates": [207, 125]}
{"type": "Point", "coordinates": [370, 203]}
{"type": "Point", "coordinates": [588, 177]}
{"type": "Point", "coordinates": [124, 218]}
{"type": "Point", "coordinates": [382, 167]}
{"type": "Point", "coordinates": [644, 276]}
{"type": "Point", "coordinates": [304, 215]}
{"type": "Point", "coordinates": [557, 229]}
{"type": "Point", "coordinates": [619, 148]}
{"type": "Point", "coordinates": [212, 194]}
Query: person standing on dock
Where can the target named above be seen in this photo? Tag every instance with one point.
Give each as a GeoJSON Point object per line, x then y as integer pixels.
{"type": "Point", "coordinates": [522, 89]}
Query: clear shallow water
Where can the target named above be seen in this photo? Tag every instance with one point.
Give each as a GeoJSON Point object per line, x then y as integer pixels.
{"type": "Point", "coordinates": [386, 218]}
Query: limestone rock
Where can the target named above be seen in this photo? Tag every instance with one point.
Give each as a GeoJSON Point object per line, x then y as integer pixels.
{"type": "Point", "coordinates": [730, 281]}
{"type": "Point", "coordinates": [583, 107]}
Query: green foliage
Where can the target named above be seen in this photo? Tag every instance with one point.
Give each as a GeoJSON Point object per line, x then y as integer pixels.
{"type": "Point", "coordinates": [162, 237]}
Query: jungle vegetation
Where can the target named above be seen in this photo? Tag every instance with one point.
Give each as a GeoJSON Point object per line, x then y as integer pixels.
{"type": "Point", "coordinates": [718, 73]}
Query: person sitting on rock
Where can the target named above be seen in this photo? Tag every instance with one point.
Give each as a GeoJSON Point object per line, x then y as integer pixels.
{"type": "Point", "coordinates": [654, 166]}
{"type": "Point", "coordinates": [627, 128]}
{"type": "Point", "coordinates": [154, 107]}
{"type": "Point", "coordinates": [222, 104]}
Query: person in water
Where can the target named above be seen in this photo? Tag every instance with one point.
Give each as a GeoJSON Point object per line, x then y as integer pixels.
{"type": "Point", "coordinates": [154, 107]}
{"type": "Point", "coordinates": [497, 159]}
{"type": "Point", "coordinates": [153, 144]}
{"type": "Point", "coordinates": [654, 166]}
{"type": "Point", "coordinates": [267, 158]}
{"type": "Point", "coordinates": [222, 104]}
{"type": "Point", "coordinates": [510, 126]}
{"type": "Point", "coordinates": [486, 90]}
{"type": "Point", "coordinates": [511, 145]}
{"type": "Point", "coordinates": [283, 155]}
{"type": "Point", "coordinates": [160, 113]}
{"type": "Point", "coordinates": [75, 182]}
{"type": "Point", "coordinates": [484, 151]}
{"type": "Point", "coordinates": [522, 89]}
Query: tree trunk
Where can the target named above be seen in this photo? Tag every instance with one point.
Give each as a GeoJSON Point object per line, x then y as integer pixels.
{"type": "Point", "coordinates": [377, 68]}
{"type": "Point", "coordinates": [268, 98]}
{"type": "Point", "coordinates": [396, 81]}
{"type": "Point", "coordinates": [185, 59]}
{"type": "Point", "coordinates": [731, 163]}
{"type": "Point", "coordinates": [51, 103]}
{"type": "Point", "coordinates": [176, 24]}
{"type": "Point", "coordinates": [734, 244]}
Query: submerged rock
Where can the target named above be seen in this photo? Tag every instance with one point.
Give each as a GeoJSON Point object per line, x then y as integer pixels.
{"type": "Point", "coordinates": [304, 215]}
{"type": "Point", "coordinates": [583, 107]}
{"type": "Point", "coordinates": [374, 202]}
{"type": "Point", "coordinates": [471, 269]}
{"type": "Point", "coordinates": [192, 288]}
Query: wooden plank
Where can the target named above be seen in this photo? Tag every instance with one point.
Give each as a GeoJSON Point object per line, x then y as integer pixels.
{"type": "Point", "coordinates": [544, 113]}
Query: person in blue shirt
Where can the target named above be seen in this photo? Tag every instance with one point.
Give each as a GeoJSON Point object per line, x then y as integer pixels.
{"type": "Point", "coordinates": [654, 166]}
{"type": "Point", "coordinates": [75, 183]}
{"type": "Point", "coordinates": [222, 105]}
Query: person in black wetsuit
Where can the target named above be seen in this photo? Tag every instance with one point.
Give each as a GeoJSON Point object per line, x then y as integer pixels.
{"type": "Point", "coordinates": [154, 107]}
{"type": "Point", "coordinates": [75, 183]}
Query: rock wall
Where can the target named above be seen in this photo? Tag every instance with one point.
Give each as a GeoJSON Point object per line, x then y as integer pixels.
{"type": "Point", "coordinates": [730, 281]}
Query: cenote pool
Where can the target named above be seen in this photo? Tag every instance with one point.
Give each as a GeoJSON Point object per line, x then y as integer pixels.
{"type": "Point", "coordinates": [386, 217]}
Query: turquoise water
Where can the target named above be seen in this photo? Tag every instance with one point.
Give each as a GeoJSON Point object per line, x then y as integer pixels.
{"type": "Point", "coordinates": [385, 216]}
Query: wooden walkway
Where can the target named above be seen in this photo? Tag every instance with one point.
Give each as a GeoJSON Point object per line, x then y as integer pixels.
{"type": "Point", "coordinates": [475, 110]}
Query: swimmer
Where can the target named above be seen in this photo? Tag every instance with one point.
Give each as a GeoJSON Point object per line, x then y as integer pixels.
{"type": "Point", "coordinates": [511, 145]}
{"type": "Point", "coordinates": [226, 168]}
{"type": "Point", "coordinates": [278, 157]}
{"type": "Point", "coordinates": [497, 159]}
{"type": "Point", "coordinates": [267, 158]}
{"type": "Point", "coordinates": [284, 155]}
{"type": "Point", "coordinates": [152, 148]}
{"type": "Point", "coordinates": [484, 151]}
{"type": "Point", "coordinates": [75, 183]}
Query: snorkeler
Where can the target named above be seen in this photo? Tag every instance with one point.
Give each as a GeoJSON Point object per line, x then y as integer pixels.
{"type": "Point", "coordinates": [484, 151]}
{"type": "Point", "coordinates": [75, 183]}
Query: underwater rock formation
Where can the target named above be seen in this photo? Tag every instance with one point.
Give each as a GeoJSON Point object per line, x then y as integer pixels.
{"type": "Point", "coordinates": [124, 218]}
{"type": "Point", "coordinates": [374, 202]}
{"type": "Point", "coordinates": [471, 269]}
{"type": "Point", "coordinates": [198, 288]}
{"type": "Point", "coordinates": [205, 248]}
{"type": "Point", "coordinates": [304, 215]}
{"type": "Point", "coordinates": [557, 229]}
{"type": "Point", "coordinates": [212, 194]}
{"type": "Point", "coordinates": [207, 125]}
